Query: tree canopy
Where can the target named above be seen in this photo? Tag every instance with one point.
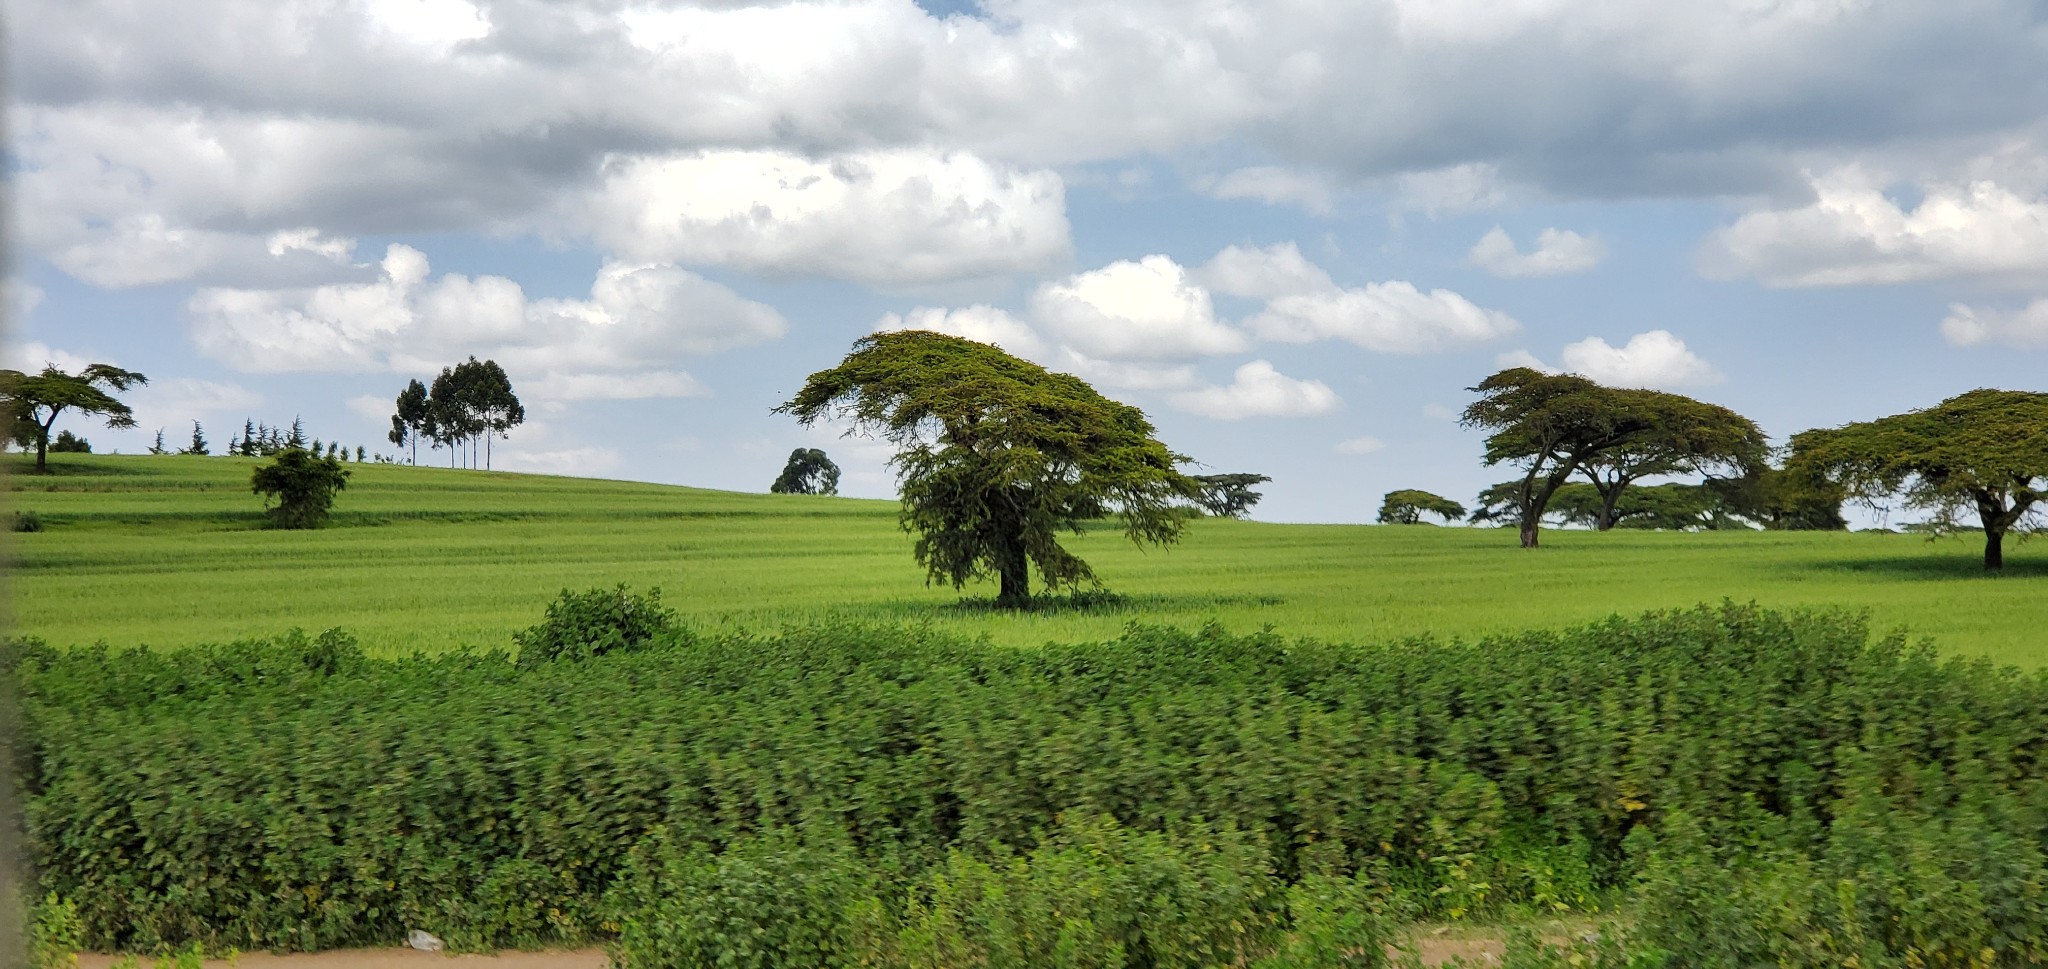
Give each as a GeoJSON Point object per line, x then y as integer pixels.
{"type": "Point", "coordinates": [1556, 425]}
{"type": "Point", "coordinates": [807, 472]}
{"type": "Point", "coordinates": [409, 419]}
{"type": "Point", "coordinates": [997, 455]}
{"type": "Point", "coordinates": [302, 486]}
{"type": "Point", "coordinates": [1983, 452]}
{"type": "Point", "coordinates": [33, 403]}
{"type": "Point", "coordinates": [1228, 495]}
{"type": "Point", "coordinates": [1781, 499]}
{"type": "Point", "coordinates": [1408, 505]}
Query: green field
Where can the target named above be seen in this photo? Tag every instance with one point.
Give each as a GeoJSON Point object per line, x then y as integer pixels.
{"type": "Point", "coordinates": [170, 551]}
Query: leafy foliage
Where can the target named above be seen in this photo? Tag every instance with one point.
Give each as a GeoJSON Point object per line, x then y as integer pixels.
{"type": "Point", "coordinates": [469, 402]}
{"type": "Point", "coordinates": [580, 625]}
{"type": "Point", "coordinates": [997, 455]}
{"type": "Point", "coordinates": [1557, 425]}
{"type": "Point", "coordinates": [1227, 495]}
{"type": "Point", "coordinates": [808, 472]}
{"type": "Point", "coordinates": [298, 487]}
{"type": "Point", "coordinates": [31, 404]}
{"type": "Point", "coordinates": [69, 443]}
{"type": "Point", "coordinates": [1783, 499]}
{"type": "Point", "coordinates": [409, 420]}
{"type": "Point", "coordinates": [298, 794]}
{"type": "Point", "coordinates": [1407, 506]}
{"type": "Point", "coordinates": [1983, 452]}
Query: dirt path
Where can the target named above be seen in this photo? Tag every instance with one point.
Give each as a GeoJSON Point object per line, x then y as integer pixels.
{"type": "Point", "coordinates": [388, 959]}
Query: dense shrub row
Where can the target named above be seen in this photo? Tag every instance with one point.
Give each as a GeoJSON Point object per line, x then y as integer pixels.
{"type": "Point", "coordinates": [887, 792]}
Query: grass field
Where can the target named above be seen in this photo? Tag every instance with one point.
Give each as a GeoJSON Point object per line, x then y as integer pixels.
{"type": "Point", "coordinates": [170, 551]}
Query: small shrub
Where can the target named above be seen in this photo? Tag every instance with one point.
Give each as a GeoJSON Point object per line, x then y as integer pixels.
{"type": "Point", "coordinates": [27, 521]}
{"type": "Point", "coordinates": [55, 934]}
{"type": "Point", "coordinates": [580, 625]}
{"type": "Point", "coordinates": [302, 484]}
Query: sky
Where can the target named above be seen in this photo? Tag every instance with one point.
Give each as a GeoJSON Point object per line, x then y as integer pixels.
{"type": "Point", "coordinates": [1292, 231]}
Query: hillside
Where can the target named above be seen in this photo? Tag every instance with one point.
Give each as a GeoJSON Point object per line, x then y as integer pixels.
{"type": "Point", "coordinates": [169, 551]}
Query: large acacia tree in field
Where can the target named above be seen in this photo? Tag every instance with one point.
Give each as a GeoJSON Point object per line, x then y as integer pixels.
{"type": "Point", "coordinates": [1549, 425]}
{"type": "Point", "coordinates": [1985, 452]}
{"type": "Point", "coordinates": [1682, 436]}
{"type": "Point", "coordinates": [997, 455]}
{"type": "Point", "coordinates": [33, 403]}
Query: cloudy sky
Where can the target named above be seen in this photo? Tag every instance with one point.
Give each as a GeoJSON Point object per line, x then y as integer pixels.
{"type": "Point", "coordinates": [1293, 231]}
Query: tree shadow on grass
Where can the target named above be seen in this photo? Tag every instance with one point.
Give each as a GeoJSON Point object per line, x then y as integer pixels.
{"type": "Point", "coordinates": [1089, 602]}
{"type": "Point", "coordinates": [1932, 566]}
{"type": "Point", "coordinates": [21, 470]}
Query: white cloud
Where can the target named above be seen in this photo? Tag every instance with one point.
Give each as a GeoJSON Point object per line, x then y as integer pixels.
{"type": "Point", "coordinates": [611, 386]}
{"type": "Point", "coordinates": [2026, 327]}
{"type": "Point", "coordinates": [1258, 390]}
{"type": "Point", "coordinates": [1389, 317]}
{"type": "Point", "coordinates": [1558, 252]}
{"type": "Point", "coordinates": [1439, 412]}
{"type": "Point", "coordinates": [1454, 190]}
{"type": "Point", "coordinates": [1148, 309]}
{"type": "Point", "coordinates": [638, 321]}
{"type": "Point", "coordinates": [373, 407]}
{"type": "Point", "coordinates": [981, 323]}
{"type": "Point", "coordinates": [173, 404]}
{"type": "Point", "coordinates": [1276, 270]}
{"type": "Point", "coordinates": [882, 217]}
{"type": "Point", "coordinates": [32, 357]}
{"type": "Point", "coordinates": [1275, 186]}
{"type": "Point", "coordinates": [308, 239]}
{"type": "Point", "coordinates": [1656, 360]}
{"type": "Point", "coordinates": [1852, 234]}
{"type": "Point", "coordinates": [1360, 445]}
{"type": "Point", "coordinates": [22, 298]}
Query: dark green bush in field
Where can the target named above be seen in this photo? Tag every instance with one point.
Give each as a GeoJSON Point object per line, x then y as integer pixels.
{"type": "Point", "coordinates": [27, 521]}
{"type": "Point", "coordinates": [580, 625]}
{"type": "Point", "coordinates": [298, 795]}
{"type": "Point", "coordinates": [298, 487]}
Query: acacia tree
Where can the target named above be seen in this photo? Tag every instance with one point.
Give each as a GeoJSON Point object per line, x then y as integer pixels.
{"type": "Point", "coordinates": [1407, 506]}
{"type": "Point", "coordinates": [997, 455]}
{"type": "Point", "coordinates": [1549, 425]}
{"type": "Point", "coordinates": [1682, 436]}
{"type": "Point", "coordinates": [1782, 499]}
{"type": "Point", "coordinates": [1984, 452]}
{"type": "Point", "coordinates": [33, 403]}
{"type": "Point", "coordinates": [808, 472]}
{"type": "Point", "coordinates": [1227, 495]}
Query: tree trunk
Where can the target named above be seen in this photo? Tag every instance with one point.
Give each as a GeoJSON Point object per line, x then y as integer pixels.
{"type": "Point", "coordinates": [1016, 578]}
{"type": "Point", "coordinates": [1994, 549]}
{"type": "Point", "coordinates": [43, 453]}
{"type": "Point", "coordinates": [1528, 533]}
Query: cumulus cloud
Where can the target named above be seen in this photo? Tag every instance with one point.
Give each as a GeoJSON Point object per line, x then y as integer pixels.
{"type": "Point", "coordinates": [173, 404]}
{"type": "Point", "coordinates": [1967, 326]}
{"type": "Point", "coordinates": [637, 322]}
{"type": "Point", "coordinates": [33, 356]}
{"type": "Point", "coordinates": [1451, 190]}
{"type": "Point", "coordinates": [1557, 252]}
{"type": "Point", "coordinates": [1276, 270]}
{"type": "Point", "coordinates": [582, 462]}
{"type": "Point", "coordinates": [1657, 360]}
{"type": "Point", "coordinates": [1389, 317]}
{"type": "Point", "coordinates": [1360, 445]}
{"type": "Point", "coordinates": [981, 323]}
{"type": "Point", "coordinates": [1258, 390]}
{"type": "Point", "coordinates": [1853, 234]}
{"type": "Point", "coordinates": [1148, 309]}
{"type": "Point", "coordinates": [882, 217]}
{"type": "Point", "coordinates": [1275, 186]}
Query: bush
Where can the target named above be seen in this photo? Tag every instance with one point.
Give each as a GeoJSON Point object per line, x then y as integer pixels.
{"type": "Point", "coordinates": [68, 443]}
{"type": "Point", "coordinates": [27, 521]}
{"type": "Point", "coordinates": [302, 484]}
{"type": "Point", "coordinates": [55, 935]}
{"type": "Point", "coordinates": [580, 625]}
{"type": "Point", "coordinates": [299, 795]}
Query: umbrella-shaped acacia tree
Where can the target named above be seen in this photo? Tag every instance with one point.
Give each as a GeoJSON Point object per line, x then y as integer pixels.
{"type": "Point", "coordinates": [996, 456]}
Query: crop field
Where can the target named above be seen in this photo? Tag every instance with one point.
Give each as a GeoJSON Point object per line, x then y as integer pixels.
{"type": "Point", "coordinates": [169, 552]}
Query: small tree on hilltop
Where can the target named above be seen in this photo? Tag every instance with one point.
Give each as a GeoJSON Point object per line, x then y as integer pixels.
{"type": "Point", "coordinates": [301, 484]}
{"type": "Point", "coordinates": [1984, 452]}
{"type": "Point", "coordinates": [69, 443]}
{"type": "Point", "coordinates": [997, 455]}
{"type": "Point", "coordinates": [1407, 506]}
{"type": "Point", "coordinates": [1228, 495]}
{"type": "Point", "coordinates": [198, 445]}
{"type": "Point", "coordinates": [808, 472]}
{"type": "Point", "coordinates": [33, 403]}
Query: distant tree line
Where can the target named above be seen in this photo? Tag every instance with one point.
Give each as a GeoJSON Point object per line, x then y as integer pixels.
{"type": "Point", "coordinates": [468, 404]}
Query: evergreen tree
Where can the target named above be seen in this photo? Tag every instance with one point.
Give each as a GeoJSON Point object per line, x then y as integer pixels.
{"type": "Point", "coordinates": [199, 445]}
{"type": "Point", "coordinates": [298, 438]}
{"type": "Point", "coordinates": [158, 447]}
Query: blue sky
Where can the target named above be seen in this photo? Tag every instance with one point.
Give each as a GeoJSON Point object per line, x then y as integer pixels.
{"type": "Point", "coordinates": [1291, 231]}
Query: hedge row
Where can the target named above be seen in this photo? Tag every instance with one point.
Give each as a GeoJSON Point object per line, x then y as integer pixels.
{"type": "Point", "coordinates": [294, 794]}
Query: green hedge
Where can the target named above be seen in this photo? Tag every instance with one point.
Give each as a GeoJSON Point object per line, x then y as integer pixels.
{"type": "Point", "coordinates": [294, 794]}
